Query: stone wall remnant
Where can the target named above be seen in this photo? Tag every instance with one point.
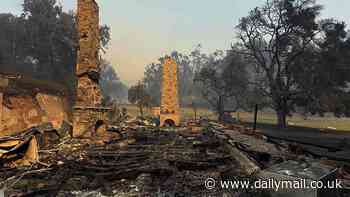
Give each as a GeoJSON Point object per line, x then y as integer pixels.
{"type": "Point", "coordinates": [25, 103]}
{"type": "Point", "coordinates": [54, 107]}
{"type": "Point", "coordinates": [1, 110]}
{"type": "Point", "coordinates": [3, 85]}
{"type": "Point", "coordinates": [170, 107]}
{"type": "Point", "coordinates": [88, 110]}
{"type": "Point", "coordinates": [21, 112]}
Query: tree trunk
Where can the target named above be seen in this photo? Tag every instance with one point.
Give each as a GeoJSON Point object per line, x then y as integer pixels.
{"type": "Point", "coordinates": [282, 112]}
{"type": "Point", "coordinates": [281, 119]}
{"type": "Point", "coordinates": [281, 109]}
{"type": "Point", "coordinates": [195, 113]}
{"type": "Point", "coordinates": [220, 108]}
{"type": "Point", "coordinates": [141, 110]}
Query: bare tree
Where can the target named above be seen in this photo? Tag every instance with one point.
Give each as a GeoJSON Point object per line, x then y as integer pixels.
{"type": "Point", "coordinates": [137, 95]}
{"type": "Point", "coordinates": [274, 36]}
{"type": "Point", "coordinates": [222, 80]}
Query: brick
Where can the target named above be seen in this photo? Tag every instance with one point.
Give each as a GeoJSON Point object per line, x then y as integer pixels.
{"type": "Point", "coordinates": [170, 107]}
{"type": "Point", "coordinates": [88, 111]}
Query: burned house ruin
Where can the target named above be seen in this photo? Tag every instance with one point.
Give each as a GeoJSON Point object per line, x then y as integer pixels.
{"type": "Point", "coordinates": [136, 157]}
{"type": "Point", "coordinates": [89, 114]}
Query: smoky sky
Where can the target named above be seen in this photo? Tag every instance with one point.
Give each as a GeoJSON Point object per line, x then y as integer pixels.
{"type": "Point", "coordinates": [144, 30]}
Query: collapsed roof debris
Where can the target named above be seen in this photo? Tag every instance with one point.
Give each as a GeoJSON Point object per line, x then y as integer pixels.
{"type": "Point", "coordinates": [145, 160]}
{"type": "Point", "coordinates": [137, 158]}
{"type": "Point", "coordinates": [19, 151]}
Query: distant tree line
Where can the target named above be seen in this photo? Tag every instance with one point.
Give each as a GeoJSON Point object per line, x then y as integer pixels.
{"type": "Point", "coordinates": [217, 80]}
{"type": "Point", "coordinates": [138, 96]}
{"type": "Point", "coordinates": [187, 66]}
{"type": "Point", "coordinates": [284, 58]}
{"type": "Point", "coordinates": [42, 42]}
{"type": "Point", "coordinates": [113, 89]}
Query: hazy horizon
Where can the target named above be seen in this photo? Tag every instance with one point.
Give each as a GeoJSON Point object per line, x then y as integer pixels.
{"type": "Point", "coordinates": [142, 31]}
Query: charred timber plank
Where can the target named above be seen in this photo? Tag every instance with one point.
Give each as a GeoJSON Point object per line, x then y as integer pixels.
{"type": "Point", "coordinates": [196, 165]}
{"type": "Point", "coordinates": [128, 152]}
{"type": "Point", "coordinates": [250, 142]}
{"type": "Point", "coordinates": [117, 172]}
{"type": "Point", "coordinates": [249, 166]}
{"type": "Point", "coordinates": [111, 154]}
{"type": "Point", "coordinates": [305, 141]}
{"type": "Point", "coordinates": [322, 152]}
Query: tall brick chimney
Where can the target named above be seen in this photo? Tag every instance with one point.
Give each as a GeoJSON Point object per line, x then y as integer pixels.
{"type": "Point", "coordinates": [170, 107]}
{"type": "Point", "coordinates": [88, 110]}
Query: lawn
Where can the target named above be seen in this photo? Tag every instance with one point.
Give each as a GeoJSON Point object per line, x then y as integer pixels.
{"type": "Point", "coordinates": [341, 124]}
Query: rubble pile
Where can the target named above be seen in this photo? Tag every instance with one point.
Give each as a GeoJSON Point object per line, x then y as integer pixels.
{"type": "Point", "coordinates": [145, 160]}
{"type": "Point", "coordinates": [19, 151]}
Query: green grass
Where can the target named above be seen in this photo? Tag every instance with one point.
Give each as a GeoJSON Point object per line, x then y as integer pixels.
{"type": "Point", "coordinates": [341, 124]}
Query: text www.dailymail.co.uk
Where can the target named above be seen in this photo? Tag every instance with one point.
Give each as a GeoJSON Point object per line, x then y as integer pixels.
{"type": "Point", "coordinates": [272, 184]}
